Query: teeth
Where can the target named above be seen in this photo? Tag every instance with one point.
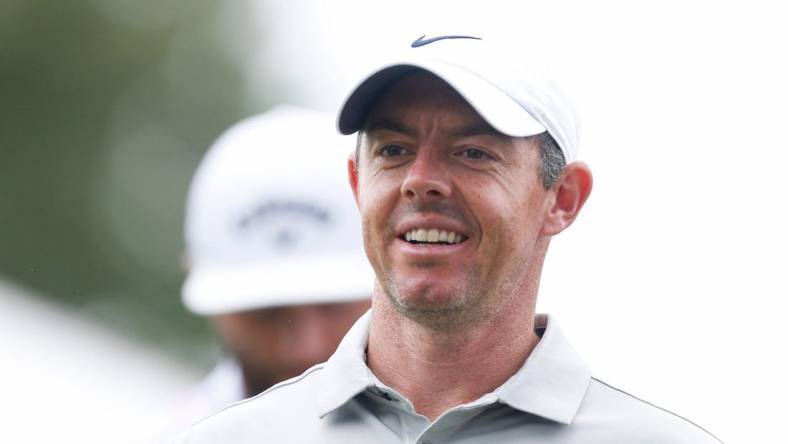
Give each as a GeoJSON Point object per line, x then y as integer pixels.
{"type": "Point", "coordinates": [433, 235]}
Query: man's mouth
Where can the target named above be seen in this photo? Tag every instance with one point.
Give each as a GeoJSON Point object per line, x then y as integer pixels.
{"type": "Point", "coordinates": [432, 236]}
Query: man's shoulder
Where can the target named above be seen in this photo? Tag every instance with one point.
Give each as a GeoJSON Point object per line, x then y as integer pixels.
{"type": "Point", "coordinates": [283, 407]}
{"type": "Point", "coordinates": [630, 416]}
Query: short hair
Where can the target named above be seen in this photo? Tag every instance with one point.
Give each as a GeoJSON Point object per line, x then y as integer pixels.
{"type": "Point", "coordinates": [553, 160]}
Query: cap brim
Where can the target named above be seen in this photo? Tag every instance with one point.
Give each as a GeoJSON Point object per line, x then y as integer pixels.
{"type": "Point", "coordinates": [212, 290]}
{"type": "Point", "coordinates": [495, 106]}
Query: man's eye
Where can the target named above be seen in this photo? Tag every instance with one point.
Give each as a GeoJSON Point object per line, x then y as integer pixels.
{"type": "Point", "coordinates": [392, 151]}
{"type": "Point", "coordinates": [475, 153]}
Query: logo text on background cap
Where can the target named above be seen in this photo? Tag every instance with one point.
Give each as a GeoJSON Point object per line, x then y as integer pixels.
{"type": "Point", "coordinates": [282, 233]}
{"type": "Point", "coordinates": [421, 41]}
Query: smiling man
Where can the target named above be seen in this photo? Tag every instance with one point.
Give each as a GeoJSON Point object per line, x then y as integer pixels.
{"type": "Point", "coordinates": [465, 169]}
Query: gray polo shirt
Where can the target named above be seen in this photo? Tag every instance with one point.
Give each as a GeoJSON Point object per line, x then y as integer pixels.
{"type": "Point", "coordinates": [551, 399]}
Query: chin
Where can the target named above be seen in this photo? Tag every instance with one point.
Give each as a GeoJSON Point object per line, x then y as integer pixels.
{"type": "Point", "coordinates": [435, 298]}
{"type": "Point", "coordinates": [430, 303]}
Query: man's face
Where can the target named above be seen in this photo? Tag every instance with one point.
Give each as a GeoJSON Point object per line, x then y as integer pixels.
{"type": "Point", "coordinates": [428, 163]}
{"type": "Point", "coordinates": [279, 343]}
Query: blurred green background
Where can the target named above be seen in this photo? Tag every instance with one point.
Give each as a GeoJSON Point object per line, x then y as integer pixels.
{"type": "Point", "coordinates": [107, 107]}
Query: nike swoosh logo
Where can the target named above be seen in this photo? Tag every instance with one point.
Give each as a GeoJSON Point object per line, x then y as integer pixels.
{"type": "Point", "coordinates": [421, 41]}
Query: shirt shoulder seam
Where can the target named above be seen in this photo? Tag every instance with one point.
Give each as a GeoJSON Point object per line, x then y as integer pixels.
{"type": "Point", "coordinates": [284, 383]}
{"type": "Point", "coordinates": [657, 407]}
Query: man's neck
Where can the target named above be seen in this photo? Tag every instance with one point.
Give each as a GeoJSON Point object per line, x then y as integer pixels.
{"type": "Point", "coordinates": [440, 369]}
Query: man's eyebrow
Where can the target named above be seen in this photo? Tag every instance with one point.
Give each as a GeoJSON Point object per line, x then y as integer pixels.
{"type": "Point", "coordinates": [388, 125]}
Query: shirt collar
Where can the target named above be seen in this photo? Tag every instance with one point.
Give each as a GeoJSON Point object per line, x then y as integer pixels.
{"type": "Point", "coordinates": [551, 383]}
{"type": "Point", "coordinates": [346, 373]}
{"type": "Point", "coordinates": [553, 380]}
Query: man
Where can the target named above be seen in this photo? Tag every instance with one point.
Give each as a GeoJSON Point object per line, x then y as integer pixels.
{"type": "Point", "coordinates": [275, 258]}
{"type": "Point", "coordinates": [465, 168]}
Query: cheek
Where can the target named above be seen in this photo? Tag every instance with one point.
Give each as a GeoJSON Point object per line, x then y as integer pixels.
{"type": "Point", "coordinates": [510, 220]}
{"type": "Point", "coordinates": [526, 222]}
{"type": "Point", "coordinates": [377, 200]}
{"type": "Point", "coordinates": [373, 240]}
{"type": "Point", "coordinates": [369, 231]}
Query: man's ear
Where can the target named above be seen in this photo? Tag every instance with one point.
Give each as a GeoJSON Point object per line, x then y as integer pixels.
{"type": "Point", "coordinates": [352, 175]}
{"type": "Point", "coordinates": [571, 192]}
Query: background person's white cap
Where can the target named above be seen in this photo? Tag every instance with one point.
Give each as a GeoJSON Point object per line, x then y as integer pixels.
{"type": "Point", "coordinates": [510, 95]}
{"type": "Point", "coordinates": [270, 219]}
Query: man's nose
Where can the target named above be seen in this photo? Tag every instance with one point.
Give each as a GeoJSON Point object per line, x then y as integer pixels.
{"type": "Point", "coordinates": [427, 177]}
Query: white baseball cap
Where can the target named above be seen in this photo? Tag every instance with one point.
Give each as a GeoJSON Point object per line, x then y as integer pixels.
{"type": "Point", "coordinates": [270, 219]}
{"type": "Point", "coordinates": [513, 98]}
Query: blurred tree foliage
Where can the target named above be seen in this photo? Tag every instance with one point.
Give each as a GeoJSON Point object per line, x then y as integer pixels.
{"type": "Point", "coordinates": [105, 109]}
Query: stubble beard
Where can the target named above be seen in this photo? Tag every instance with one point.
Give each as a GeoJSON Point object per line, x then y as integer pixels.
{"type": "Point", "coordinates": [471, 302]}
{"type": "Point", "coordinates": [464, 307]}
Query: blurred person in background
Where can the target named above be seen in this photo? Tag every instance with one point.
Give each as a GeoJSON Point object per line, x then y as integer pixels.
{"type": "Point", "coordinates": [273, 252]}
